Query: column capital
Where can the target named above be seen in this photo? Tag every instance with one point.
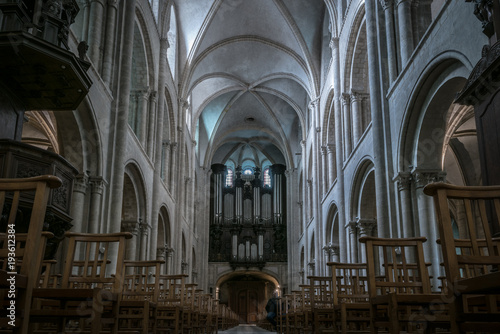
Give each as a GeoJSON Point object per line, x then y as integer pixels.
{"type": "Point", "coordinates": [153, 95]}
{"type": "Point", "coordinates": [352, 226]}
{"type": "Point", "coordinates": [97, 184]}
{"type": "Point", "coordinates": [423, 177]}
{"type": "Point", "coordinates": [183, 103]}
{"type": "Point", "coordinates": [174, 146]}
{"type": "Point", "coordinates": [330, 249]}
{"type": "Point", "coordinates": [131, 226]}
{"type": "Point", "coordinates": [160, 252]}
{"type": "Point", "coordinates": [330, 148]}
{"type": "Point", "coordinates": [386, 4]}
{"type": "Point", "coordinates": [313, 104]}
{"type": "Point", "coordinates": [166, 144]}
{"type": "Point", "coordinates": [404, 180]}
{"type": "Point", "coordinates": [81, 183]}
{"type": "Point", "coordinates": [113, 3]}
{"type": "Point", "coordinates": [345, 98]}
{"type": "Point", "coordinates": [366, 226]}
{"type": "Point", "coordinates": [356, 96]}
{"type": "Point", "coordinates": [323, 150]}
{"type": "Point", "coordinates": [400, 2]}
{"type": "Point", "coordinates": [334, 43]}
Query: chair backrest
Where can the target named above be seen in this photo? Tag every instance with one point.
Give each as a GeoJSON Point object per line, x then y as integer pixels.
{"type": "Point", "coordinates": [172, 290]}
{"type": "Point", "coordinates": [351, 284]}
{"type": "Point", "coordinates": [320, 291]}
{"type": "Point", "coordinates": [401, 268]}
{"type": "Point", "coordinates": [95, 261]}
{"type": "Point", "coordinates": [476, 213]}
{"type": "Point", "coordinates": [29, 250]}
{"type": "Point", "coordinates": [141, 280]}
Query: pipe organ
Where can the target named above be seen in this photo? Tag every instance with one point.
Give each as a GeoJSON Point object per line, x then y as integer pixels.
{"type": "Point", "coordinates": [248, 217]}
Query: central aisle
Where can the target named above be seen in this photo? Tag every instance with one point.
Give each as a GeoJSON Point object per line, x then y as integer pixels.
{"type": "Point", "coordinates": [245, 329]}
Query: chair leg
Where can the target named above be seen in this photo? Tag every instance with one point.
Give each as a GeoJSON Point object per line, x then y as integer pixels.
{"type": "Point", "coordinates": [393, 314]}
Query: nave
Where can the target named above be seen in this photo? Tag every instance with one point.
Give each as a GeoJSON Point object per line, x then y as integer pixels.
{"type": "Point", "coordinates": [245, 329]}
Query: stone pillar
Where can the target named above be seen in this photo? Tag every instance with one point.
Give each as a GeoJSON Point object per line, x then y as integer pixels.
{"type": "Point", "coordinates": [404, 186]}
{"type": "Point", "coordinates": [85, 25]}
{"type": "Point", "coordinates": [109, 44]}
{"type": "Point", "coordinates": [392, 65]}
{"type": "Point", "coordinates": [357, 120]}
{"type": "Point", "coordinates": [119, 145]}
{"type": "Point", "coordinates": [173, 169]}
{"type": "Point", "coordinates": [312, 267]}
{"type": "Point", "coordinates": [324, 160]}
{"type": "Point", "coordinates": [331, 163]}
{"type": "Point", "coordinates": [95, 30]}
{"type": "Point", "coordinates": [97, 184]}
{"type": "Point", "coordinates": [78, 203]}
{"type": "Point", "coordinates": [151, 127]}
{"type": "Point", "coordinates": [161, 256]}
{"type": "Point", "coordinates": [353, 237]}
{"type": "Point", "coordinates": [377, 115]}
{"type": "Point", "coordinates": [334, 44]}
{"type": "Point", "coordinates": [365, 228]}
{"type": "Point", "coordinates": [168, 264]}
{"type": "Point", "coordinates": [166, 162]}
{"type": "Point", "coordinates": [132, 244]}
{"type": "Point", "coordinates": [157, 186]}
{"type": "Point", "coordinates": [346, 112]}
{"type": "Point", "coordinates": [427, 220]}
{"type": "Point", "coordinates": [143, 117]}
{"type": "Point", "coordinates": [415, 21]}
{"type": "Point", "coordinates": [405, 30]}
{"type": "Point", "coordinates": [144, 228]}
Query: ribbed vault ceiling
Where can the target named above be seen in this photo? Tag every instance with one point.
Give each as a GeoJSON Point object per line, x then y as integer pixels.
{"type": "Point", "coordinates": [249, 70]}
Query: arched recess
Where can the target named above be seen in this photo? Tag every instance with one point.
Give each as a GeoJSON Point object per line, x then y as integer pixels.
{"type": "Point", "coordinates": [363, 212]}
{"type": "Point", "coordinates": [164, 240]}
{"type": "Point", "coordinates": [246, 292]}
{"type": "Point", "coordinates": [139, 86]}
{"type": "Point", "coordinates": [134, 213]}
{"type": "Point", "coordinates": [312, 256]}
{"type": "Point", "coordinates": [302, 270]}
{"type": "Point", "coordinates": [332, 234]}
{"type": "Point", "coordinates": [437, 137]}
{"type": "Point", "coordinates": [356, 88]}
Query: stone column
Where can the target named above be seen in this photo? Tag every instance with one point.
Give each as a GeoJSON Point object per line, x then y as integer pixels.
{"type": "Point", "coordinates": [151, 126]}
{"type": "Point", "coordinates": [161, 256]}
{"type": "Point", "coordinates": [86, 14]}
{"type": "Point", "coordinates": [415, 21]}
{"type": "Point", "coordinates": [109, 44]}
{"type": "Point", "coordinates": [357, 121]}
{"type": "Point", "coordinates": [334, 44]}
{"type": "Point", "coordinates": [331, 163]}
{"type": "Point", "coordinates": [324, 160]}
{"type": "Point", "coordinates": [97, 184]}
{"type": "Point", "coordinates": [346, 112]}
{"type": "Point", "coordinates": [168, 264]}
{"type": "Point", "coordinates": [95, 30]}
{"type": "Point", "coordinates": [405, 30]}
{"type": "Point", "coordinates": [377, 115]}
{"type": "Point", "coordinates": [143, 119]}
{"type": "Point", "coordinates": [427, 220]}
{"type": "Point", "coordinates": [365, 228]}
{"type": "Point", "coordinates": [392, 65]}
{"type": "Point", "coordinates": [312, 267]}
{"type": "Point", "coordinates": [132, 244]}
{"type": "Point", "coordinates": [404, 186]}
{"type": "Point", "coordinates": [119, 145]}
{"type": "Point", "coordinates": [173, 169]}
{"type": "Point", "coordinates": [157, 186]}
{"type": "Point", "coordinates": [78, 202]}
{"type": "Point", "coordinates": [353, 237]}
{"type": "Point", "coordinates": [144, 228]}
{"type": "Point", "coordinates": [166, 162]}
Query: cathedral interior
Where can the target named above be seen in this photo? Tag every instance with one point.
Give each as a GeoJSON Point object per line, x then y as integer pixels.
{"type": "Point", "coordinates": [243, 143]}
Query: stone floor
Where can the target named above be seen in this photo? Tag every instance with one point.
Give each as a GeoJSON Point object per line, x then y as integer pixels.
{"type": "Point", "coordinates": [245, 329]}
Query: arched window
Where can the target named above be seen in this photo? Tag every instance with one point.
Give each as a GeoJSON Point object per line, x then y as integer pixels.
{"type": "Point", "coordinates": [229, 178]}
{"type": "Point", "coordinates": [248, 171]}
{"type": "Point", "coordinates": [267, 178]}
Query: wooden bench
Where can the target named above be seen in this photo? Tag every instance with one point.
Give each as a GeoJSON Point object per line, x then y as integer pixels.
{"type": "Point", "coordinates": [25, 266]}
{"type": "Point", "coordinates": [472, 259]}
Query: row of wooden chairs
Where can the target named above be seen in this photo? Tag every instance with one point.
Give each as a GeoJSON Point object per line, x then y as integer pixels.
{"type": "Point", "coordinates": [97, 291]}
{"type": "Point", "coordinates": [392, 292]}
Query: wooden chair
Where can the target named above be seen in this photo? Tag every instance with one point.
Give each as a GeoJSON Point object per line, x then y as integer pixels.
{"type": "Point", "coordinates": [472, 260]}
{"type": "Point", "coordinates": [29, 248]}
{"type": "Point", "coordinates": [322, 306]}
{"type": "Point", "coordinates": [350, 296]}
{"type": "Point", "coordinates": [170, 304]}
{"type": "Point", "coordinates": [399, 287]}
{"type": "Point", "coordinates": [92, 280]}
{"type": "Point", "coordinates": [139, 296]}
